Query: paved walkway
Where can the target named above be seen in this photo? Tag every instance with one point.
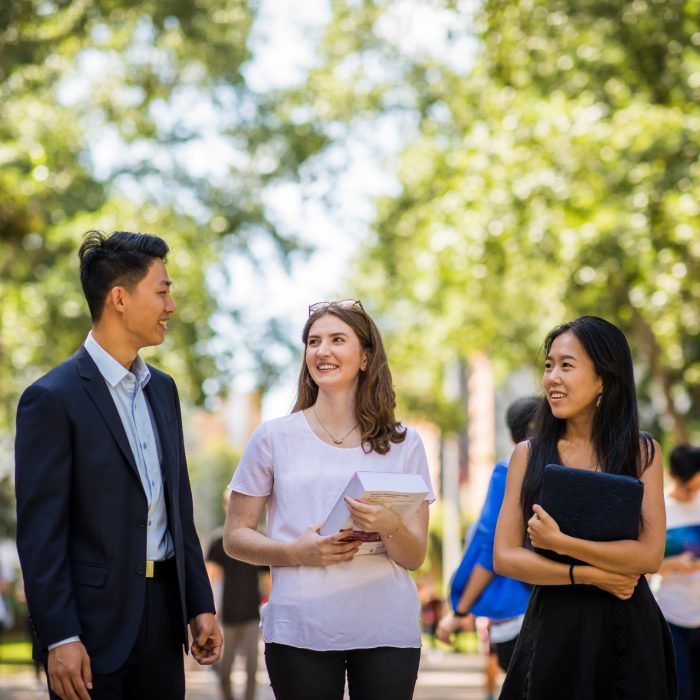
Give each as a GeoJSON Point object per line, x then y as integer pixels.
{"type": "Point", "coordinates": [442, 676]}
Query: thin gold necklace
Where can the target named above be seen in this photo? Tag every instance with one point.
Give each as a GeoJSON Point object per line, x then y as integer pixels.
{"type": "Point", "coordinates": [337, 441]}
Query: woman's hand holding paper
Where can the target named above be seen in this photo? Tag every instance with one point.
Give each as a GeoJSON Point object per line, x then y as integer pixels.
{"type": "Point", "coordinates": [372, 517]}
{"type": "Point", "coordinates": [405, 540]}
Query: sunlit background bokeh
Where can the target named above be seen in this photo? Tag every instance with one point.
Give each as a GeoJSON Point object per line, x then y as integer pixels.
{"type": "Point", "coordinates": [475, 172]}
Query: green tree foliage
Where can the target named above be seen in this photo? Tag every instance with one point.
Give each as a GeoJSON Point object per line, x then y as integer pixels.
{"type": "Point", "coordinates": [557, 177]}
{"type": "Point", "coordinates": [134, 116]}
{"type": "Point", "coordinates": [7, 508]}
{"type": "Point", "coordinates": [211, 466]}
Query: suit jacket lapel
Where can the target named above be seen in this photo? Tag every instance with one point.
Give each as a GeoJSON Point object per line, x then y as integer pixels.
{"type": "Point", "coordinates": [96, 387]}
{"type": "Point", "coordinates": [165, 424]}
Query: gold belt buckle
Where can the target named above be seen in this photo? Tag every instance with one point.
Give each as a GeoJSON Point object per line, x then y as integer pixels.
{"type": "Point", "coordinates": [150, 568]}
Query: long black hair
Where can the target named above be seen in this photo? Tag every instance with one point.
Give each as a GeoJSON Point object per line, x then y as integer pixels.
{"type": "Point", "coordinates": [618, 445]}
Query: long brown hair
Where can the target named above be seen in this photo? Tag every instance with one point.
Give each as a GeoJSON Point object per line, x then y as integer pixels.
{"type": "Point", "coordinates": [375, 399]}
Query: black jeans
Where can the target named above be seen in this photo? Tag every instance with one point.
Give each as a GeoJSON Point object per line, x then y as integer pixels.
{"type": "Point", "coordinates": [381, 673]}
{"type": "Point", "coordinates": [504, 652]}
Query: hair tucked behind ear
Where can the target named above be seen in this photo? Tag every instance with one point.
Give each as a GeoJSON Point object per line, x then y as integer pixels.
{"type": "Point", "coordinates": [619, 447]}
{"type": "Point", "coordinates": [375, 400]}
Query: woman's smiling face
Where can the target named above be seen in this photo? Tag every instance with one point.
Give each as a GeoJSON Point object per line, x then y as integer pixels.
{"type": "Point", "coordinates": [334, 356]}
{"type": "Point", "coordinates": [571, 383]}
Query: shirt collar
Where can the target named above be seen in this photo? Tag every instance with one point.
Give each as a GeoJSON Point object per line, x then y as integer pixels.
{"type": "Point", "coordinates": [110, 369]}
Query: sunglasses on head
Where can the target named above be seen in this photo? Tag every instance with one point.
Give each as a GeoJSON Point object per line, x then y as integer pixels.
{"type": "Point", "coordinates": [342, 304]}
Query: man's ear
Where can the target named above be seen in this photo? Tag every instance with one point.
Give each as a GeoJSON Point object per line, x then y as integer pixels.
{"type": "Point", "coordinates": [116, 298]}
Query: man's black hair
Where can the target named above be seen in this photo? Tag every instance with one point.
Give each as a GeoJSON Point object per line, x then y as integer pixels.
{"type": "Point", "coordinates": [684, 462]}
{"type": "Point", "coordinates": [520, 416]}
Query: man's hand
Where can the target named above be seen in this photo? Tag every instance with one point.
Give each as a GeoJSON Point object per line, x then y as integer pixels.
{"type": "Point", "coordinates": [69, 671]}
{"type": "Point", "coordinates": [206, 639]}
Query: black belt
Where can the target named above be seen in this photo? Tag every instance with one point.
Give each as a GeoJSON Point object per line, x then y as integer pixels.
{"type": "Point", "coordinates": [156, 569]}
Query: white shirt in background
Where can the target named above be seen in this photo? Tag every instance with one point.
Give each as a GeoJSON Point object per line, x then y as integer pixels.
{"type": "Point", "coordinates": [678, 594]}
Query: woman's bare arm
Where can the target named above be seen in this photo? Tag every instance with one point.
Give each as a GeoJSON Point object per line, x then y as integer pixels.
{"type": "Point", "coordinates": [641, 556]}
{"type": "Point", "coordinates": [243, 541]}
{"type": "Point", "coordinates": [512, 559]}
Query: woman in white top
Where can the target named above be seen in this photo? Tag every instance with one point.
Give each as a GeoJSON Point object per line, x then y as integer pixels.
{"type": "Point", "coordinates": [332, 612]}
{"type": "Point", "coordinates": [678, 594]}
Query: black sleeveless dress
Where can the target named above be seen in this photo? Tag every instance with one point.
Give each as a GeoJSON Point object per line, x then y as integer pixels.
{"type": "Point", "coordinates": [581, 643]}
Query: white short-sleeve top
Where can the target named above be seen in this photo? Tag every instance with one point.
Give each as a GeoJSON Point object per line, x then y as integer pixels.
{"type": "Point", "coordinates": [367, 602]}
{"type": "Point", "coordinates": [678, 594]}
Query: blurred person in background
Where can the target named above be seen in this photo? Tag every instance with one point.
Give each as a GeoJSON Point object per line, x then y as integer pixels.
{"type": "Point", "coordinates": [7, 618]}
{"type": "Point", "coordinates": [333, 614]}
{"type": "Point", "coordinates": [678, 591]}
{"type": "Point", "coordinates": [238, 612]}
{"type": "Point", "coordinates": [431, 605]}
{"type": "Point", "coordinates": [475, 589]}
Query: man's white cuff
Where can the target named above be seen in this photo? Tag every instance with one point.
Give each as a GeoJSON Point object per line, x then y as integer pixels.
{"type": "Point", "coordinates": [63, 641]}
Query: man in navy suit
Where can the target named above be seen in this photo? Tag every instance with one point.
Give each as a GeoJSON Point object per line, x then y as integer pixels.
{"type": "Point", "coordinates": [112, 565]}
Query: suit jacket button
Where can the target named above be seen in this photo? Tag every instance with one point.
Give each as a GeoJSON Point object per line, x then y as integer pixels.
{"type": "Point", "coordinates": [140, 523]}
{"type": "Point", "coordinates": [140, 569]}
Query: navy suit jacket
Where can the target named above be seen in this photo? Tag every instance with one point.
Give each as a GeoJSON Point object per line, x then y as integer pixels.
{"type": "Point", "coordinates": [81, 513]}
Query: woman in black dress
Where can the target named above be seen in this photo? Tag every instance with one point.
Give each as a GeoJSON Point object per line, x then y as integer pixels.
{"type": "Point", "coordinates": [593, 632]}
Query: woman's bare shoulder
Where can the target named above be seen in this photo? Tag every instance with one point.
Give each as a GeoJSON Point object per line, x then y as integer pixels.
{"type": "Point", "coordinates": [522, 449]}
{"type": "Point", "coordinates": [520, 457]}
